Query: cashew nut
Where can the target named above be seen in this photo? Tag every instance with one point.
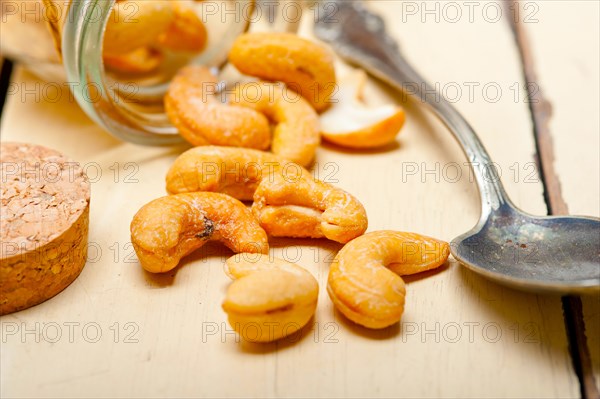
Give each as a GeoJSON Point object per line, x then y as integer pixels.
{"type": "Point", "coordinates": [134, 24]}
{"type": "Point", "coordinates": [186, 32]}
{"type": "Point", "coordinates": [364, 278]}
{"type": "Point", "coordinates": [142, 60]}
{"type": "Point", "coordinates": [296, 135]}
{"type": "Point", "coordinates": [288, 201]}
{"type": "Point", "coordinates": [301, 206]}
{"type": "Point", "coordinates": [202, 120]}
{"type": "Point", "coordinates": [270, 298]}
{"type": "Point", "coordinates": [233, 171]}
{"type": "Point", "coordinates": [169, 228]}
{"type": "Point", "coordinates": [349, 123]}
{"type": "Point", "coordinates": [304, 66]}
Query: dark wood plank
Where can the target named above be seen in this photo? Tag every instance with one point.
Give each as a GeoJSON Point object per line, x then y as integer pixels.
{"type": "Point", "coordinates": [6, 67]}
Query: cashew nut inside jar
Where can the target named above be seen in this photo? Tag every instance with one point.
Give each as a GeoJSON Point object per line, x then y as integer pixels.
{"type": "Point", "coordinates": [119, 56]}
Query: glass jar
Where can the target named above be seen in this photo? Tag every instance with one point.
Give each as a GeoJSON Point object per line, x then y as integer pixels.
{"type": "Point", "coordinates": [129, 107]}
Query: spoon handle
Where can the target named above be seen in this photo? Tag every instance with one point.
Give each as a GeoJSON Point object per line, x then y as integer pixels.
{"type": "Point", "coordinates": [360, 36]}
{"type": "Point", "coordinates": [403, 77]}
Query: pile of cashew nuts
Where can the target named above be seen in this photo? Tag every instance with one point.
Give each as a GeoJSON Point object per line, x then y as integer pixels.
{"type": "Point", "coordinates": [140, 33]}
{"type": "Point", "coordinates": [229, 163]}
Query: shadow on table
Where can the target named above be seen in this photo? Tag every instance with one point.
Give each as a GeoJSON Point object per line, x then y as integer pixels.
{"type": "Point", "coordinates": [365, 151]}
{"type": "Point", "coordinates": [257, 348]}
{"type": "Point", "coordinates": [534, 321]}
{"type": "Point", "coordinates": [211, 251]}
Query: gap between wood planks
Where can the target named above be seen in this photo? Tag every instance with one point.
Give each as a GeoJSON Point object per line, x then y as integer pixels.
{"type": "Point", "coordinates": [6, 67]}
{"type": "Point", "coordinates": [541, 112]}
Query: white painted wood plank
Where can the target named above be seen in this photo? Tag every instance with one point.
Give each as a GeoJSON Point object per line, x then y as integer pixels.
{"type": "Point", "coordinates": [566, 44]}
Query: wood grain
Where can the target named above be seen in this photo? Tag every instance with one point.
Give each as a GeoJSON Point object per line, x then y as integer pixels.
{"type": "Point", "coordinates": [461, 335]}
{"type": "Point", "coordinates": [566, 66]}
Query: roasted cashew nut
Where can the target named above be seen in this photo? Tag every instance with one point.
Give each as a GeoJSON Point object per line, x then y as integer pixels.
{"type": "Point", "coordinates": [270, 298]}
{"type": "Point", "coordinates": [233, 171]}
{"type": "Point", "coordinates": [364, 278]}
{"type": "Point", "coordinates": [142, 60]}
{"type": "Point", "coordinates": [288, 201]}
{"type": "Point", "coordinates": [134, 24]}
{"type": "Point", "coordinates": [305, 207]}
{"type": "Point", "coordinates": [193, 109]}
{"type": "Point", "coordinates": [169, 228]}
{"type": "Point", "coordinates": [304, 66]}
{"type": "Point", "coordinates": [296, 135]}
{"type": "Point", "coordinates": [186, 32]}
{"type": "Point", "coordinates": [350, 123]}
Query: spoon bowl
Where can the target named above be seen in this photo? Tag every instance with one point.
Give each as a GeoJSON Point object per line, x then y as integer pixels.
{"type": "Point", "coordinates": [560, 254]}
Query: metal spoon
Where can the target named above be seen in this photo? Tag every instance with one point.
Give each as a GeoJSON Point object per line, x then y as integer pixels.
{"type": "Point", "coordinates": [539, 253]}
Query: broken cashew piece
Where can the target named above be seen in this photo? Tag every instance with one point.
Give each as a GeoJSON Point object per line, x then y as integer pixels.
{"type": "Point", "coordinates": [349, 123]}
{"type": "Point", "coordinates": [169, 228]}
{"type": "Point", "coordinates": [270, 298]}
{"type": "Point", "coordinates": [142, 60]}
{"type": "Point", "coordinates": [186, 32]}
{"type": "Point", "coordinates": [296, 135]}
{"type": "Point", "coordinates": [202, 120]}
{"type": "Point", "coordinates": [134, 24]}
{"type": "Point", "coordinates": [300, 206]}
{"type": "Point", "coordinates": [304, 66]}
{"type": "Point", "coordinates": [364, 278]}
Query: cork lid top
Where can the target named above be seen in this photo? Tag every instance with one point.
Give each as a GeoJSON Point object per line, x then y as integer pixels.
{"type": "Point", "coordinates": [42, 195]}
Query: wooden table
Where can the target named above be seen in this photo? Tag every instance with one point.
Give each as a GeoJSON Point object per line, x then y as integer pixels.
{"type": "Point", "coordinates": [117, 331]}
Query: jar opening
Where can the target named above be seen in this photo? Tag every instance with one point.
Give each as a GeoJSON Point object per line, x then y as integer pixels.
{"type": "Point", "coordinates": [130, 106]}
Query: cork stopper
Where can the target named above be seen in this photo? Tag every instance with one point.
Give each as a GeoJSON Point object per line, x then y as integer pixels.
{"type": "Point", "coordinates": [44, 209]}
